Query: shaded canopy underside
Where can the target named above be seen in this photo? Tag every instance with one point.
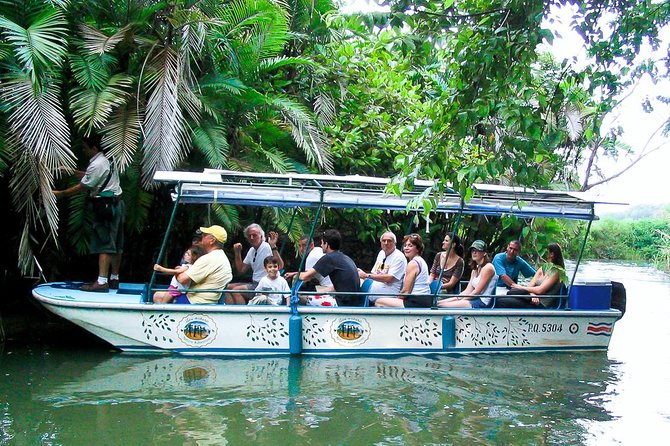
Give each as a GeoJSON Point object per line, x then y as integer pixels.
{"type": "Point", "coordinates": [363, 192]}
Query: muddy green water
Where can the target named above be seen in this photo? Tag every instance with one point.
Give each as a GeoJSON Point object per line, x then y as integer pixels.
{"type": "Point", "coordinates": [91, 395]}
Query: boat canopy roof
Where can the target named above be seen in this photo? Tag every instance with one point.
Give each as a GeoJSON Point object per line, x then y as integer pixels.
{"type": "Point", "coordinates": [354, 191]}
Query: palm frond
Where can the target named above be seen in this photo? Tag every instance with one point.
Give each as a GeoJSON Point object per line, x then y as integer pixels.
{"type": "Point", "coordinates": [59, 3]}
{"type": "Point", "coordinates": [278, 162]}
{"type": "Point", "coordinates": [250, 31]}
{"type": "Point", "coordinates": [275, 63]}
{"type": "Point", "coordinates": [31, 179]}
{"type": "Point", "coordinates": [189, 101]}
{"type": "Point", "coordinates": [5, 51]}
{"type": "Point", "coordinates": [89, 72]}
{"type": "Point", "coordinates": [41, 47]}
{"type": "Point", "coordinates": [230, 85]}
{"type": "Point", "coordinates": [96, 42]}
{"type": "Point", "coordinates": [213, 143]}
{"type": "Point", "coordinates": [308, 137]}
{"type": "Point", "coordinates": [92, 108]}
{"type": "Point", "coordinates": [165, 129]}
{"type": "Point", "coordinates": [227, 216]}
{"type": "Point", "coordinates": [269, 40]}
{"type": "Point", "coordinates": [192, 26]}
{"type": "Point", "coordinates": [38, 122]}
{"type": "Point", "coordinates": [121, 135]}
{"type": "Point", "coordinates": [573, 117]}
{"type": "Point", "coordinates": [324, 107]}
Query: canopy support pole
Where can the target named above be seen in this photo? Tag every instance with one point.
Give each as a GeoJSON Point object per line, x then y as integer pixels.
{"type": "Point", "coordinates": [161, 253]}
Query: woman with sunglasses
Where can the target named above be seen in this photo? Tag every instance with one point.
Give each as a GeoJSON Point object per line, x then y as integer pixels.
{"type": "Point", "coordinates": [416, 280]}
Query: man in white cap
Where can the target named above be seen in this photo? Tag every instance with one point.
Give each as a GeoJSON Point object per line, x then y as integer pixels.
{"type": "Point", "coordinates": [210, 272]}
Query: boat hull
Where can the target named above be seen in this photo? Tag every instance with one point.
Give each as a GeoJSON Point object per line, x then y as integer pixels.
{"type": "Point", "coordinates": [127, 323]}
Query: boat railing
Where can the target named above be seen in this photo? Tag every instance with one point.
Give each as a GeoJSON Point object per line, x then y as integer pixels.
{"type": "Point", "coordinates": [560, 298]}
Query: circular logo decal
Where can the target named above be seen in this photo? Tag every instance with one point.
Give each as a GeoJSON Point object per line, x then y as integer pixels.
{"type": "Point", "coordinates": [197, 330]}
{"type": "Point", "coordinates": [574, 328]}
{"type": "Point", "coordinates": [350, 331]}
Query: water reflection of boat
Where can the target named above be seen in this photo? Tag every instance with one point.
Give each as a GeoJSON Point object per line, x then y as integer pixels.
{"type": "Point", "coordinates": [174, 378]}
{"type": "Point", "coordinates": [127, 320]}
{"type": "Point", "coordinates": [364, 398]}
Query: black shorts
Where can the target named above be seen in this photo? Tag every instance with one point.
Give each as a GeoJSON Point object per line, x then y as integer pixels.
{"type": "Point", "coordinates": [422, 301]}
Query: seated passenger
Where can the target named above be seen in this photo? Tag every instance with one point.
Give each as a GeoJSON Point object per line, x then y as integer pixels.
{"type": "Point", "coordinates": [547, 280]}
{"type": "Point", "coordinates": [273, 288]}
{"type": "Point", "coordinates": [508, 265]}
{"type": "Point", "coordinates": [452, 265]}
{"type": "Point", "coordinates": [314, 253]}
{"type": "Point", "coordinates": [416, 278]}
{"type": "Point", "coordinates": [339, 267]}
{"type": "Point", "coordinates": [258, 251]}
{"type": "Point", "coordinates": [387, 272]}
{"type": "Point", "coordinates": [211, 272]}
{"type": "Point", "coordinates": [176, 289]}
{"type": "Point", "coordinates": [482, 281]}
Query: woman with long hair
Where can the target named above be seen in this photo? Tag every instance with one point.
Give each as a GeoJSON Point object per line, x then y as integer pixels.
{"type": "Point", "coordinates": [482, 281]}
{"type": "Point", "coordinates": [546, 281]}
{"type": "Point", "coordinates": [450, 262]}
{"type": "Point", "coordinates": [416, 278]}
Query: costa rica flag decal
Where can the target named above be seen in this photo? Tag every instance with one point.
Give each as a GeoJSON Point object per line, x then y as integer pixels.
{"type": "Point", "coordinates": [599, 329]}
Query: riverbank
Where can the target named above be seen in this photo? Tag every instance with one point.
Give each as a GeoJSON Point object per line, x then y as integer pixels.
{"type": "Point", "coordinates": [30, 324]}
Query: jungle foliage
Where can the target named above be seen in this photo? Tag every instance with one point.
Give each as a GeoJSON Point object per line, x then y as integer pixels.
{"type": "Point", "coordinates": [642, 240]}
{"type": "Point", "coordinates": [455, 91]}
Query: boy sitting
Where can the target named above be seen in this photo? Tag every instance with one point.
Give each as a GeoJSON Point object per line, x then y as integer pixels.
{"type": "Point", "coordinates": [271, 282]}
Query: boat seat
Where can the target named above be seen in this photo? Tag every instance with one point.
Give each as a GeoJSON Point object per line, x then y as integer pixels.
{"type": "Point", "coordinates": [365, 287]}
{"type": "Point", "coordinates": [563, 296]}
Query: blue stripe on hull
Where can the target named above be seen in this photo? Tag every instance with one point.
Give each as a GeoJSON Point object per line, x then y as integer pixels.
{"type": "Point", "coordinates": [385, 351]}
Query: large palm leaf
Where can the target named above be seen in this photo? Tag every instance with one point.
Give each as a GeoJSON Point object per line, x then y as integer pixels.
{"type": "Point", "coordinates": [37, 122]}
{"type": "Point", "coordinates": [121, 135]}
{"type": "Point", "coordinates": [92, 108]}
{"type": "Point", "coordinates": [165, 130]}
{"type": "Point", "coordinates": [41, 47]}
{"type": "Point", "coordinates": [309, 137]}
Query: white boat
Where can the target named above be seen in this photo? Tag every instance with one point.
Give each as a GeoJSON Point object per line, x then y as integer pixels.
{"type": "Point", "coordinates": [128, 320]}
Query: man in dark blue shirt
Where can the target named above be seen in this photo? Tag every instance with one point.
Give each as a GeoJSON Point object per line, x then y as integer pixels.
{"type": "Point", "coordinates": [340, 268]}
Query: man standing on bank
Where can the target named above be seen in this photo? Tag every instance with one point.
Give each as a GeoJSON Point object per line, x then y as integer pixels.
{"type": "Point", "coordinates": [508, 265]}
{"type": "Point", "coordinates": [101, 182]}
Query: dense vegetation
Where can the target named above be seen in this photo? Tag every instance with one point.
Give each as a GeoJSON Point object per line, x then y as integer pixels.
{"type": "Point", "coordinates": [645, 239]}
{"type": "Point", "coordinates": [456, 91]}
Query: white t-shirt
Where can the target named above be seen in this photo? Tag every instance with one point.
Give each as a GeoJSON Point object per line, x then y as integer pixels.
{"type": "Point", "coordinates": [255, 258]}
{"type": "Point", "coordinates": [394, 264]}
{"type": "Point", "coordinates": [174, 283]}
{"type": "Point", "coordinates": [279, 284]}
{"type": "Point", "coordinates": [314, 255]}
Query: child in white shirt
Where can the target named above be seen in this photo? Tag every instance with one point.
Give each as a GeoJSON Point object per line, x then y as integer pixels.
{"type": "Point", "coordinates": [271, 282]}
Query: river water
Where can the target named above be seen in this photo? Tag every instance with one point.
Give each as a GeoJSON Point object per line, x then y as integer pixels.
{"type": "Point", "coordinates": [86, 395]}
